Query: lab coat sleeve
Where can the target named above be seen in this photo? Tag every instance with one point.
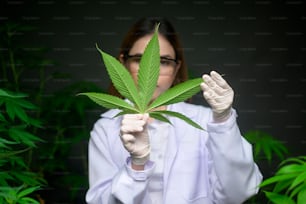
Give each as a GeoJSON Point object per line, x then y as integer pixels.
{"type": "Point", "coordinates": [110, 183]}
{"type": "Point", "coordinates": [237, 176]}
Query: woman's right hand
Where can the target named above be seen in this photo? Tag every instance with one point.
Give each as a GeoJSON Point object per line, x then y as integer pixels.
{"type": "Point", "coordinates": [135, 137]}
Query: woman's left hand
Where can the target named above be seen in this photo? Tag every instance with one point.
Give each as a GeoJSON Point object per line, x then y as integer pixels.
{"type": "Point", "coordinates": [218, 94]}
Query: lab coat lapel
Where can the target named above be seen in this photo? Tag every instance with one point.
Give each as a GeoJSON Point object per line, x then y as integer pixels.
{"type": "Point", "coordinates": [172, 148]}
{"type": "Point", "coordinates": [174, 139]}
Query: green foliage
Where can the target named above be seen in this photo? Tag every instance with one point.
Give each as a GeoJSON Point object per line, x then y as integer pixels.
{"type": "Point", "coordinates": [17, 180]}
{"type": "Point", "coordinates": [18, 195]}
{"type": "Point", "coordinates": [266, 145]}
{"type": "Point", "coordinates": [266, 149]}
{"type": "Point", "coordinates": [56, 118]}
{"type": "Point", "coordinates": [140, 95]}
{"type": "Point", "coordinates": [289, 182]}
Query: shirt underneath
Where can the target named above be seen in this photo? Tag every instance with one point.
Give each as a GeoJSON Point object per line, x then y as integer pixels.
{"type": "Point", "coordinates": [158, 133]}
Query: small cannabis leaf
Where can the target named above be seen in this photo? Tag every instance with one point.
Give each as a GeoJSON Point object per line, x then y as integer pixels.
{"type": "Point", "coordinates": [140, 95]}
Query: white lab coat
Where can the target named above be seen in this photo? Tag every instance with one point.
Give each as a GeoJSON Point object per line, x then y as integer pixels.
{"type": "Point", "coordinates": [201, 167]}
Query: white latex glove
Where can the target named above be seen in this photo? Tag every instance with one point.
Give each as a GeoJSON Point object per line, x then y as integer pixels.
{"type": "Point", "coordinates": [135, 137]}
{"type": "Point", "coordinates": [218, 94]}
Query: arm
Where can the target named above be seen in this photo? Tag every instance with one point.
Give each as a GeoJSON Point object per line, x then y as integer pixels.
{"type": "Point", "coordinates": [110, 181]}
{"type": "Point", "coordinates": [237, 176]}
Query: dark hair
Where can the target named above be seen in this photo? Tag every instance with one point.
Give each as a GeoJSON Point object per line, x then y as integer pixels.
{"type": "Point", "coordinates": [146, 26]}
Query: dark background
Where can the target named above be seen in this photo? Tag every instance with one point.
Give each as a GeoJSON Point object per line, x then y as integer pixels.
{"type": "Point", "coordinates": [258, 45]}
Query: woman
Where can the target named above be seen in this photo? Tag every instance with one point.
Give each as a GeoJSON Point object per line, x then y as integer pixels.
{"type": "Point", "coordinates": [135, 159]}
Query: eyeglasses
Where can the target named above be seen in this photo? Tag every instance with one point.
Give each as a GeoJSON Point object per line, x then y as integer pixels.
{"type": "Point", "coordinates": [166, 64]}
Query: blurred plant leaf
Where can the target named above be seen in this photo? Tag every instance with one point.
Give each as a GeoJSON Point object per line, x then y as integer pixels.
{"type": "Point", "coordinates": [279, 198]}
{"type": "Point", "coordinates": [289, 182]}
{"type": "Point", "coordinates": [27, 191]}
{"type": "Point", "coordinates": [302, 196]}
{"type": "Point", "coordinates": [10, 153]}
{"type": "Point", "coordinates": [266, 144]}
{"type": "Point", "coordinates": [9, 94]}
{"type": "Point", "coordinates": [22, 136]}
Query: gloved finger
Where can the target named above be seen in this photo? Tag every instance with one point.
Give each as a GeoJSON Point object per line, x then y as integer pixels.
{"type": "Point", "coordinates": [218, 91]}
{"type": "Point", "coordinates": [218, 79]}
{"type": "Point", "coordinates": [204, 87]}
{"type": "Point", "coordinates": [133, 116]}
{"type": "Point", "coordinates": [209, 81]}
{"type": "Point", "coordinates": [144, 116]}
{"type": "Point", "coordinates": [128, 142]}
{"type": "Point", "coordinates": [132, 126]}
{"type": "Point", "coordinates": [133, 122]}
{"type": "Point", "coordinates": [209, 96]}
{"type": "Point", "coordinates": [127, 138]}
{"type": "Point", "coordinates": [210, 92]}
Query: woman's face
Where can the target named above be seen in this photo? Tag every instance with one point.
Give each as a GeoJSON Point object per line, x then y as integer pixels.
{"type": "Point", "coordinates": [168, 65]}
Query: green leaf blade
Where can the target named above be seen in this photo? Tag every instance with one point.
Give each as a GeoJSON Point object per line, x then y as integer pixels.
{"type": "Point", "coordinates": [301, 198]}
{"type": "Point", "coordinates": [121, 78]}
{"type": "Point", "coordinates": [300, 179]}
{"type": "Point", "coordinates": [109, 101]}
{"type": "Point", "coordinates": [278, 178]}
{"type": "Point", "coordinates": [178, 93]}
{"type": "Point", "coordinates": [160, 117]}
{"type": "Point", "coordinates": [291, 169]}
{"type": "Point", "coordinates": [9, 94]}
{"type": "Point", "coordinates": [297, 190]}
{"type": "Point", "coordinates": [180, 116]}
{"type": "Point", "coordinates": [148, 72]}
{"type": "Point", "coordinates": [278, 198]}
{"type": "Point", "coordinates": [27, 191]}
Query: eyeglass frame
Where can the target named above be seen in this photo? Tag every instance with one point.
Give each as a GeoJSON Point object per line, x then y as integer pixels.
{"type": "Point", "coordinates": [127, 56]}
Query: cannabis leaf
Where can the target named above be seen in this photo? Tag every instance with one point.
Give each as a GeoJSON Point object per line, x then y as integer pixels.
{"type": "Point", "coordinates": [178, 93]}
{"type": "Point", "coordinates": [121, 78]}
{"type": "Point", "coordinates": [148, 75]}
{"type": "Point", "coordinates": [139, 96]}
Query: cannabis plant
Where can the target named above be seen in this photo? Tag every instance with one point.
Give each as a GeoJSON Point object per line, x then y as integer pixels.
{"type": "Point", "coordinates": [289, 182]}
{"type": "Point", "coordinates": [65, 126]}
{"type": "Point", "coordinates": [139, 96]}
{"type": "Point", "coordinates": [17, 180]}
{"type": "Point", "coordinates": [267, 150]}
{"type": "Point", "coordinates": [266, 146]}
